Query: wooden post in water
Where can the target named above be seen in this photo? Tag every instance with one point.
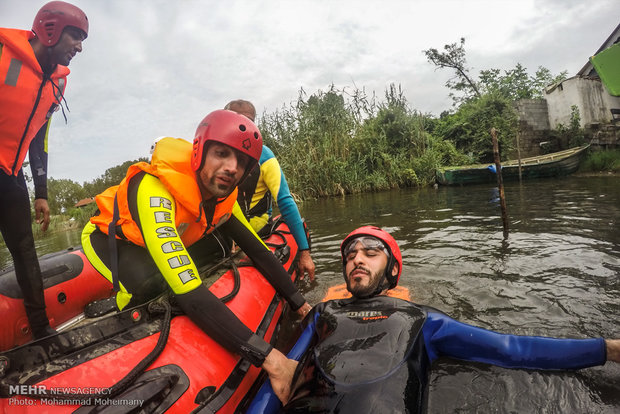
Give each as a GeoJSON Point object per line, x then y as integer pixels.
{"type": "Point", "coordinates": [500, 182]}
{"type": "Point", "coordinates": [519, 156]}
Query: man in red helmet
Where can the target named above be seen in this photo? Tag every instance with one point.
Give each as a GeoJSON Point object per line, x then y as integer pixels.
{"type": "Point", "coordinates": [186, 194]}
{"type": "Point", "coordinates": [33, 75]}
{"type": "Point", "coordinates": [373, 353]}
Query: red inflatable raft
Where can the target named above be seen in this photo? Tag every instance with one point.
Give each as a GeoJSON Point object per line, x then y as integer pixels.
{"type": "Point", "coordinates": [70, 282]}
{"type": "Point", "coordinates": [148, 359]}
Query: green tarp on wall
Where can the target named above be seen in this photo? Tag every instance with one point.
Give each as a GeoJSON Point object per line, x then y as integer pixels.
{"type": "Point", "coordinates": [607, 65]}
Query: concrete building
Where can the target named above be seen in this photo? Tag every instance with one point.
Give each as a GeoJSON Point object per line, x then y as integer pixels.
{"type": "Point", "coordinates": [538, 118]}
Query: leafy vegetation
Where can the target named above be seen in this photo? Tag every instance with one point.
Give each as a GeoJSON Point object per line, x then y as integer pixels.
{"type": "Point", "coordinates": [514, 84]}
{"type": "Point", "coordinates": [573, 133]}
{"type": "Point", "coordinates": [601, 161]}
{"type": "Point", "coordinates": [485, 102]}
{"type": "Point", "coordinates": [336, 142]}
{"type": "Point", "coordinates": [453, 57]}
{"type": "Point", "coordinates": [468, 128]}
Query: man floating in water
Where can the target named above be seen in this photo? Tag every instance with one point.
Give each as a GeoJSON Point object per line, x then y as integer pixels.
{"type": "Point", "coordinates": [372, 353]}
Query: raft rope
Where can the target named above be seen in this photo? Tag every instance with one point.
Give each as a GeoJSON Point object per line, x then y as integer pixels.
{"type": "Point", "coordinates": [235, 267]}
{"type": "Point", "coordinates": [157, 306]}
{"type": "Point", "coordinates": [236, 286]}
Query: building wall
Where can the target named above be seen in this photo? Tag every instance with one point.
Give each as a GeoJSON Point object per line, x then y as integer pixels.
{"type": "Point", "coordinates": [590, 97]}
{"type": "Point", "coordinates": [533, 126]}
{"type": "Point", "coordinates": [535, 111]}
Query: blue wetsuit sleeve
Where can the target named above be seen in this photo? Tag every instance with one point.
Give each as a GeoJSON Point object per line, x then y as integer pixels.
{"type": "Point", "coordinates": [444, 336]}
{"type": "Point", "coordinates": [37, 155]}
{"type": "Point", "coordinates": [305, 339]}
{"type": "Point", "coordinates": [273, 176]}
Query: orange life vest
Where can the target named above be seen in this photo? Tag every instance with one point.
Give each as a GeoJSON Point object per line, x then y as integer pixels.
{"type": "Point", "coordinates": [171, 164]}
{"type": "Point", "coordinates": [27, 100]}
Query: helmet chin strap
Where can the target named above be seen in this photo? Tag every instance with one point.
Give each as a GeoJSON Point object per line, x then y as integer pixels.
{"type": "Point", "coordinates": [381, 286]}
{"type": "Point", "coordinates": [385, 282]}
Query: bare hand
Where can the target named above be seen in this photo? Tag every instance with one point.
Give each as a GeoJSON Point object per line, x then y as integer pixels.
{"type": "Point", "coordinates": [303, 310]}
{"type": "Point", "coordinates": [613, 349]}
{"type": "Point", "coordinates": [42, 213]}
{"type": "Point", "coordinates": [281, 371]}
{"type": "Point", "coordinates": [306, 265]}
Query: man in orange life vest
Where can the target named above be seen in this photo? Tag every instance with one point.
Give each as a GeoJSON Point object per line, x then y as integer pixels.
{"type": "Point", "coordinates": [33, 74]}
{"type": "Point", "coordinates": [178, 199]}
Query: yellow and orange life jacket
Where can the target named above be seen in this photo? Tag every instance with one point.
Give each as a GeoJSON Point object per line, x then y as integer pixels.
{"type": "Point", "coordinates": [171, 164]}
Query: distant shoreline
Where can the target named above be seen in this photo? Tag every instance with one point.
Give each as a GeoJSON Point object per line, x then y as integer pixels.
{"type": "Point", "coordinates": [597, 174]}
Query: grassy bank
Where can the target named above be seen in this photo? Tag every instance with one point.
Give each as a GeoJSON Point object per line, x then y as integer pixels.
{"type": "Point", "coordinates": [75, 218]}
{"type": "Point", "coordinates": [335, 143]}
{"type": "Point", "coordinates": [601, 161]}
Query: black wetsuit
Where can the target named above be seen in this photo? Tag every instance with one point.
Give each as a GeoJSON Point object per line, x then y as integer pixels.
{"type": "Point", "coordinates": [373, 355]}
{"type": "Point", "coordinates": [16, 229]}
{"type": "Point", "coordinates": [142, 275]}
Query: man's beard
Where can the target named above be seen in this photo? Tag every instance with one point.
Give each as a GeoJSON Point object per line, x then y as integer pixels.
{"type": "Point", "coordinates": [220, 190]}
{"type": "Point", "coordinates": [360, 291]}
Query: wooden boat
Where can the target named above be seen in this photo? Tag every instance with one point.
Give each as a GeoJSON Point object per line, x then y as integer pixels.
{"type": "Point", "coordinates": [150, 358]}
{"type": "Point", "coordinates": [549, 165]}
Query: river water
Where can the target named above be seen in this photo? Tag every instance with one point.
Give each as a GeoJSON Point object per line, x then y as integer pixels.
{"type": "Point", "coordinates": [556, 274]}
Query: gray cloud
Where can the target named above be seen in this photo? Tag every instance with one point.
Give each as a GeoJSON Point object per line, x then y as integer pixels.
{"type": "Point", "coordinates": [156, 67]}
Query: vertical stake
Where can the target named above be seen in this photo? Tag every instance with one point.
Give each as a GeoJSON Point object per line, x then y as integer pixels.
{"type": "Point", "coordinates": [500, 183]}
{"type": "Point", "coordinates": [519, 156]}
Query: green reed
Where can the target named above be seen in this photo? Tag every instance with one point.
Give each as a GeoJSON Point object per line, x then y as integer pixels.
{"type": "Point", "coordinates": [342, 141]}
{"type": "Point", "coordinates": [601, 161]}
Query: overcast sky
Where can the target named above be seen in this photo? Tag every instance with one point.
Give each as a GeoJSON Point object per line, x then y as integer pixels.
{"type": "Point", "coordinates": [157, 67]}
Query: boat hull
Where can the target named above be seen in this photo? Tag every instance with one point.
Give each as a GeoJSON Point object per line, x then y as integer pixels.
{"type": "Point", "coordinates": [551, 165]}
{"type": "Point", "coordinates": [69, 281]}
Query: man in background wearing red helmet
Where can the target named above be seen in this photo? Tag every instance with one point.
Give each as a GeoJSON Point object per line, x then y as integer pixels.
{"type": "Point", "coordinates": [33, 75]}
{"type": "Point", "coordinates": [186, 194]}
{"type": "Point", "coordinates": [372, 353]}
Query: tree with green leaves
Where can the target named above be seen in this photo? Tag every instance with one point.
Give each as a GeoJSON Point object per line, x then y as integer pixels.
{"type": "Point", "coordinates": [485, 102]}
{"type": "Point", "coordinates": [63, 194]}
{"type": "Point", "coordinates": [111, 176]}
{"type": "Point", "coordinates": [469, 127]}
{"type": "Point", "coordinates": [513, 84]}
{"type": "Point", "coordinates": [516, 84]}
{"type": "Point", "coordinates": [453, 57]}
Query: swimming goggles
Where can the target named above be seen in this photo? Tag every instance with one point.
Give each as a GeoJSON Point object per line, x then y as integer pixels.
{"type": "Point", "coordinates": [368, 243]}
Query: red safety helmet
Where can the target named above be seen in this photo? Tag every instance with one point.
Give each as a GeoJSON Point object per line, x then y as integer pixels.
{"type": "Point", "coordinates": [230, 128]}
{"type": "Point", "coordinates": [390, 244]}
{"type": "Point", "coordinates": [53, 17]}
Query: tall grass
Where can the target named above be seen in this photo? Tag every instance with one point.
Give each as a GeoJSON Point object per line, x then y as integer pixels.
{"type": "Point", "coordinates": [76, 218]}
{"type": "Point", "coordinates": [599, 161]}
{"type": "Point", "coordinates": [340, 141]}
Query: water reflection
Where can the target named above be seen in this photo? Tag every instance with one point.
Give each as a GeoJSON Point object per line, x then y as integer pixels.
{"type": "Point", "coordinates": [50, 242]}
